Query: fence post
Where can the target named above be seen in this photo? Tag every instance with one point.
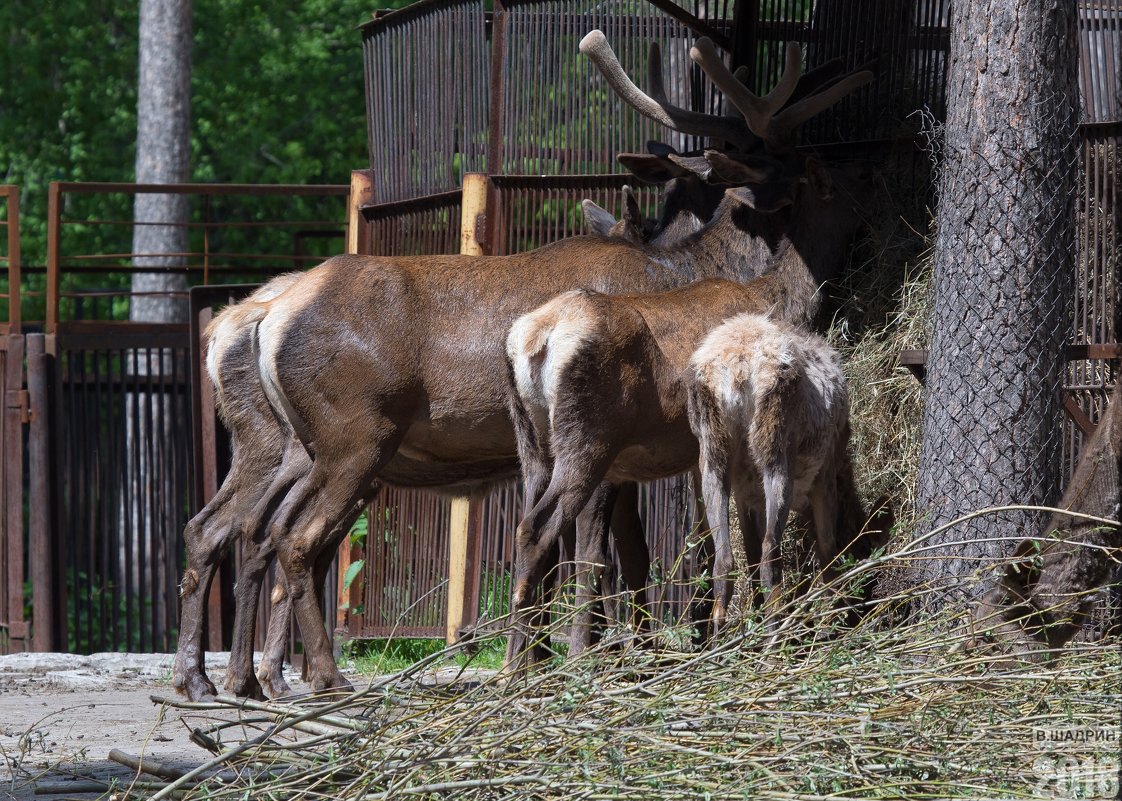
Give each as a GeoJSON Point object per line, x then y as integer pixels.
{"type": "Point", "coordinates": [41, 500]}
{"type": "Point", "coordinates": [14, 319]}
{"type": "Point", "coordinates": [463, 538]}
{"type": "Point", "coordinates": [362, 191]}
{"type": "Point", "coordinates": [54, 243]}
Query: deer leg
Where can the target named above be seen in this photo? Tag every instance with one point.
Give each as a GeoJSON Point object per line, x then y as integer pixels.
{"type": "Point", "coordinates": [751, 530]}
{"type": "Point", "coordinates": [240, 679]}
{"type": "Point", "coordinates": [312, 512]}
{"type": "Point", "coordinates": [271, 672]}
{"type": "Point", "coordinates": [257, 555]}
{"type": "Point", "coordinates": [824, 506]}
{"type": "Point", "coordinates": [634, 556]}
{"type": "Point", "coordinates": [715, 489]}
{"type": "Point", "coordinates": [207, 537]}
{"type": "Point", "coordinates": [777, 508]}
{"type": "Point", "coordinates": [591, 557]}
{"type": "Point", "coordinates": [574, 479]}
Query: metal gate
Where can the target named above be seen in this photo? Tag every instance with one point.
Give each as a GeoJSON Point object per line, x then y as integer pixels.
{"type": "Point", "coordinates": [13, 415]}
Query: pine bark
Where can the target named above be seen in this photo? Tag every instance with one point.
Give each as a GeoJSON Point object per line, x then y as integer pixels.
{"type": "Point", "coordinates": [1003, 276]}
{"type": "Point", "coordinates": [163, 155]}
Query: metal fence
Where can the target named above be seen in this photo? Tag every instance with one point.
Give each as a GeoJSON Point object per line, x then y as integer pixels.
{"type": "Point", "coordinates": [121, 436]}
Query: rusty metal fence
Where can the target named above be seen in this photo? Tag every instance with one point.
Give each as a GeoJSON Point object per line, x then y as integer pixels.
{"type": "Point", "coordinates": [13, 626]}
{"type": "Point", "coordinates": [119, 480]}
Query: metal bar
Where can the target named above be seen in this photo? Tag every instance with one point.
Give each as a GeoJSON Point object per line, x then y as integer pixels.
{"type": "Point", "coordinates": [40, 500]}
{"type": "Point", "coordinates": [14, 319]}
{"type": "Point", "coordinates": [254, 190]}
{"type": "Point", "coordinates": [54, 209]}
{"type": "Point", "coordinates": [13, 492]}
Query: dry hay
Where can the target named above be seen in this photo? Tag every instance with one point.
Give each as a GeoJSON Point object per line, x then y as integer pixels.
{"type": "Point", "coordinates": [814, 709]}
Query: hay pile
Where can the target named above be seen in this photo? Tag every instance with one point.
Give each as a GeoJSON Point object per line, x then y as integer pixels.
{"type": "Point", "coordinates": [805, 711]}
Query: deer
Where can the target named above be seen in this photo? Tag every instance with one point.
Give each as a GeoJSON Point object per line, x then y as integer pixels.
{"type": "Point", "coordinates": [1043, 594]}
{"type": "Point", "coordinates": [769, 406]}
{"type": "Point", "coordinates": [406, 356]}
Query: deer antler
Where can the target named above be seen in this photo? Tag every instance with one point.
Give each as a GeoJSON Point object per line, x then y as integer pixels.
{"type": "Point", "coordinates": [762, 114]}
{"type": "Point", "coordinates": [655, 105]}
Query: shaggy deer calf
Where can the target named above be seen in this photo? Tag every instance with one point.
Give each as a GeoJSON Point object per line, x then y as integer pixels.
{"type": "Point", "coordinates": [769, 406]}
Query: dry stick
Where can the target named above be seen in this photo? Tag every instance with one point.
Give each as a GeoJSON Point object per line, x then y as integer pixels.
{"type": "Point", "coordinates": [149, 766]}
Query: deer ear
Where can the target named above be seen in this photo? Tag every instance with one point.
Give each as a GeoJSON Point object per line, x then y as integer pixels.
{"type": "Point", "coordinates": [697, 165]}
{"type": "Point", "coordinates": [650, 169]}
{"type": "Point", "coordinates": [743, 170]}
{"type": "Point", "coordinates": [631, 212]}
{"type": "Point", "coordinates": [656, 148]}
{"type": "Point", "coordinates": [818, 177]}
{"type": "Point", "coordinates": [596, 220]}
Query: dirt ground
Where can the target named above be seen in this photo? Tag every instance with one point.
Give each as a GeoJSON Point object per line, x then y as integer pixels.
{"type": "Point", "coordinates": [61, 715]}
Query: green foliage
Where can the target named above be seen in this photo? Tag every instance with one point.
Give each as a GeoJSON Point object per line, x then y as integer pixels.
{"type": "Point", "coordinates": [379, 657]}
{"type": "Point", "coordinates": [277, 97]}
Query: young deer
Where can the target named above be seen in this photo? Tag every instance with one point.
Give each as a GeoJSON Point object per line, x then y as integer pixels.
{"type": "Point", "coordinates": [770, 409]}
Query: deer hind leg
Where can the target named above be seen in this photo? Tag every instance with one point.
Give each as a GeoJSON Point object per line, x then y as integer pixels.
{"type": "Point", "coordinates": [776, 479]}
{"type": "Point", "coordinates": [271, 671]}
{"type": "Point", "coordinates": [824, 506]}
{"type": "Point", "coordinates": [240, 679]}
{"type": "Point", "coordinates": [307, 522]}
{"type": "Point", "coordinates": [634, 556]}
{"type": "Point", "coordinates": [575, 477]}
{"type": "Point", "coordinates": [592, 561]}
{"type": "Point", "coordinates": [752, 534]}
{"type": "Point", "coordinates": [715, 489]}
{"type": "Point", "coordinates": [258, 553]}
{"type": "Point", "coordinates": [207, 537]}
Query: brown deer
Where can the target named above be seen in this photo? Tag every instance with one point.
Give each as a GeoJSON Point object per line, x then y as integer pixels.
{"type": "Point", "coordinates": [1044, 593]}
{"type": "Point", "coordinates": [405, 355]}
{"type": "Point", "coordinates": [769, 406]}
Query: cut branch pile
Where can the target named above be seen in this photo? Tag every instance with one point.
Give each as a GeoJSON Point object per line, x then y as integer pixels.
{"type": "Point", "coordinates": [808, 708]}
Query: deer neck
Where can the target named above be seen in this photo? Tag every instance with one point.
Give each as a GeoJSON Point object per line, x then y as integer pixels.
{"type": "Point", "coordinates": [738, 244]}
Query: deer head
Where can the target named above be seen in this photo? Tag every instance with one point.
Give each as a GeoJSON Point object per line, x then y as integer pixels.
{"type": "Point", "coordinates": [760, 160]}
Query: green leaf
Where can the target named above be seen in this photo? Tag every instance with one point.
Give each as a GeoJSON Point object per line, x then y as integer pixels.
{"type": "Point", "coordinates": [352, 573]}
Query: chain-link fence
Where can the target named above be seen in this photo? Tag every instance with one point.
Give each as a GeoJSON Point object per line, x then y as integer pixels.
{"type": "Point", "coordinates": [1004, 273]}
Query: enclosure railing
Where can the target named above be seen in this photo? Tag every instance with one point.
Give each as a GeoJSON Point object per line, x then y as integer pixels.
{"type": "Point", "coordinates": [235, 232]}
{"type": "Point", "coordinates": [10, 258]}
{"type": "Point", "coordinates": [117, 473]}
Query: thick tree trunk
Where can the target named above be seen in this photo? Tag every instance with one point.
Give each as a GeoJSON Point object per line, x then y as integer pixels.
{"type": "Point", "coordinates": [163, 154]}
{"type": "Point", "coordinates": [1004, 266]}
{"type": "Point", "coordinates": [151, 506]}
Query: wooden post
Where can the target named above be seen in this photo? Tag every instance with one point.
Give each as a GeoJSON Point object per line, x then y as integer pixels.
{"type": "Point", "coordinates": [362, 190]}
{"type": "Point", "coordinates": [463, 559]}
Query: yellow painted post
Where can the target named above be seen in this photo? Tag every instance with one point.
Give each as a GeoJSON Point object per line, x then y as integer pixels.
{"type": "Point", "coordinates": [361, 194]}
{"type": "Point", "coordinates": [463, 560]}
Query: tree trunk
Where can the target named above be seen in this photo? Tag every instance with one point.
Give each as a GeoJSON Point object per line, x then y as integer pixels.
{"type": "Point", "coordinates": [1004, 268]}
{"type": "Point", "coordinates": [151, 507]}
{"type": "Point", "coordinates": [163, 155]}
